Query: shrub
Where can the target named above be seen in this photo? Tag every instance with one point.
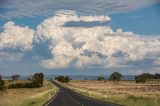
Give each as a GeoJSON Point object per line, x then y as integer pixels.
{"type": "Point", "coordinates": [21, 85]}
{"type": "Point", "coordinates": [2, 85]}
{"type": "Point", "coordinates": [101, 78]}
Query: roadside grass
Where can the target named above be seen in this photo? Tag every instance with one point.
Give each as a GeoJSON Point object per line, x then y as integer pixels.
{"type": "Point", "coordinates": [126, 93]}
{"type": "Point", "coordinates": [28, 96]}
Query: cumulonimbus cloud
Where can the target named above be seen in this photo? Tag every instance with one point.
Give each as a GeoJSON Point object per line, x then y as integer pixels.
{"type": "Point", "coordinates": [98, 46]}
{"type": "Point", "coordinates": [85, 47]}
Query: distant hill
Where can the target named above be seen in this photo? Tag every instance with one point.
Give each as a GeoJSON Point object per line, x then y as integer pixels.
{"type": "Point", "coordinates": [74, 77]}
{"type": "Point", "coordinates": [89, 77]}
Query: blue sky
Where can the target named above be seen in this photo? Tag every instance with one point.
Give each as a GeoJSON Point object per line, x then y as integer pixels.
{"type": "Point", "coordinates": [54, 37]}
{"type": "Point", "coordinates": [143, 21]}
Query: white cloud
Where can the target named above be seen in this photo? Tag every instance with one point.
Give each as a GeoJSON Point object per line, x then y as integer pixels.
{"type": "Point", "coordinates": [30, 8]}
{"type": "Point", "coordinates": [16, 37]}
{"type": "Point", "coordinates": [100, 45]}
{"type": "Point", "coordinates": [97, 46]}
{"type": "Point", "coordinates": [63, 54]}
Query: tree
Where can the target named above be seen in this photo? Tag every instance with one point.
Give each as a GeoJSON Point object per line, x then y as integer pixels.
{"type": "Point", "coordinates": [100, 78]}
{"type": "Point", "coordinates": [115, 77]}
{"type": "Point", "coordinates": [67, 79]}
{"type": "Point", "coordinates": [142, 78]}
{"type": "Point", "coordinates": [63, 79]}
{"type": "Point", "coordinates": [2, 85]}
{"type": "Point", "coordinates": [38, 79]}
{"type": "Point", "coordinates": [157, 76]}
{"type": "Point", "coordinates": [15, 77]}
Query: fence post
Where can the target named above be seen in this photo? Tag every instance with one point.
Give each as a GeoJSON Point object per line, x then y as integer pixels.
{"type": "Point", "coordinates": [90, 94]}
{"type": "Point", "coordinates": [49, 95]}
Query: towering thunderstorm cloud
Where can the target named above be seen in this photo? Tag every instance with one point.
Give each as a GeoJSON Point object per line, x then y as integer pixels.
{"type": "Point", "coordinates": [98, 46]}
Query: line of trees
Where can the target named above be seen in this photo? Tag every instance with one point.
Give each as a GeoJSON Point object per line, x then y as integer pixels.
{"type": "Point", "coordinates": [142, 78]}
{"type": "Point", "coordinates": [36, 81]}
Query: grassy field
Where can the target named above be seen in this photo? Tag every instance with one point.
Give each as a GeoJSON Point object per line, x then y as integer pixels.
{"type": "Point", "coordinates": [27, 96]}
{"type": "Point", "coordinates": [126, 93]}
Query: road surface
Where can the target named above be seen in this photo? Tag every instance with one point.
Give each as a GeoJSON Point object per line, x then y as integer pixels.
{"type": "Point", "coordinates": [67, 97]}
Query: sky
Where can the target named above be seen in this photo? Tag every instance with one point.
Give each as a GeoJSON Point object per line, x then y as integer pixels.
{"type": "Point", "coordinates": [79, 37]}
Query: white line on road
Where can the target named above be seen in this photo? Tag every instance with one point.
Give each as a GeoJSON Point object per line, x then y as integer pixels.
{"type": "Point", "coordinates": [52, 99]}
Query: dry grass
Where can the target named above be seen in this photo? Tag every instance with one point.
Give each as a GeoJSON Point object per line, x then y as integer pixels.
{"type": "Point", "coordinates": [126, 92]}
{"type": "Point", "coordinates": [27, 96]}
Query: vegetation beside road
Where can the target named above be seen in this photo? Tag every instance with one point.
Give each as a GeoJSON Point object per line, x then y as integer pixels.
{"type": "Point", "coordinates": [27, 96]}
{"type": "Point", "coordinates": [33, 91]}
{"type": "Point", "coordinates": [35, 82]}
{"type": "Point", "coordinates": [144, 91]}
{"type": "Point", "coordinates": [127, 93]}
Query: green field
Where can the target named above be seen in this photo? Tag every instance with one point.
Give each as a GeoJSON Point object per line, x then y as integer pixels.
{"type": "Point", "coordinates": [126, 93]}
{"type": "Point", "coordinates": [28, 96]}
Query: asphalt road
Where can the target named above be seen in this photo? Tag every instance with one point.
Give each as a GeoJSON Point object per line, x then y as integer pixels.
{"type": "Point", "coordinates": [67, 97]}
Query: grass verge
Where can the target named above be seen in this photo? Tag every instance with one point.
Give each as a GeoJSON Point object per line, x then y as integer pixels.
{"type": "Point", "coordinates": [28, 96]}
{"type": "Point", "coordinates": [124, 93]}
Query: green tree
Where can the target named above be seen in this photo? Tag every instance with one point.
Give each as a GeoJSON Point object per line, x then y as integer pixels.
{"type": "Point", "coordinates": [38, 79]}
{"type": "Point", "coordinates": [67, 79]}
{"type": "Point", "coordinates": [115, 77]}
{"type": "Point", "coordinates": [157, 76]}
{"type": "Point", "coordinates": [2, 85]}
{"type": "Point", "coordinates": [142, 78]}
{"type": "Point", "coordinates": [63, 79]}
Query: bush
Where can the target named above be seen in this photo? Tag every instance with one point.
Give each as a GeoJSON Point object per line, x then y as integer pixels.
{"type": "Point", "coordinates": [2, 85]}
{"type": "Point", "coordinates": [101, 78]}
{"type": "Point", "coordinates": [21, 85]}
